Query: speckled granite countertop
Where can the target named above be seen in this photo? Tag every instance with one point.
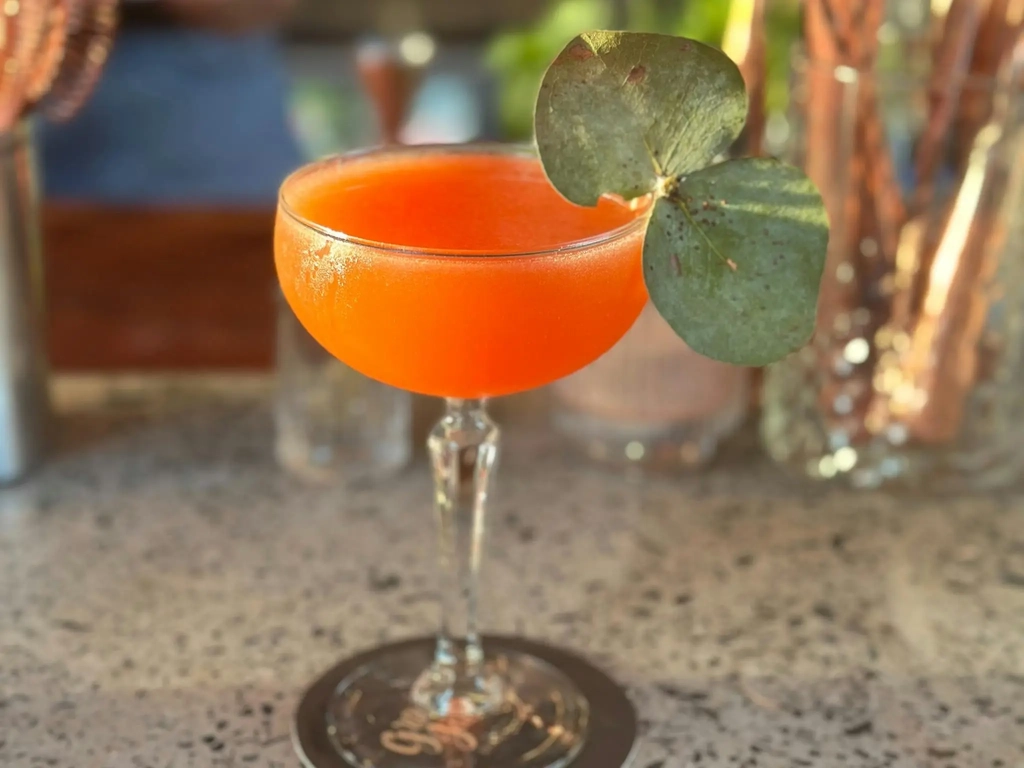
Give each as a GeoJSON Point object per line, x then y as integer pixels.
{"type": "Point", "coordinates": [166, 593]}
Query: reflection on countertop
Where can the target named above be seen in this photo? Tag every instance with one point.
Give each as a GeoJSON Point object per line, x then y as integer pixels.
{"type": "Point", "coordinates": [167, 593]}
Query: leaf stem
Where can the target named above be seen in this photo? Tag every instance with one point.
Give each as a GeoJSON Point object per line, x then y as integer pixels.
{"type": "Point", "coordinates": [666, 186]}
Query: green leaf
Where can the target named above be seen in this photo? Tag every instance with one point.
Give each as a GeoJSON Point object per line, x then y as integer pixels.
{"type": "Point", "coordinates": [734, 253]}
{"type": "Point", "coordinates": [733, 259]}
{"type": "Point", "coordinates": [617, 111]}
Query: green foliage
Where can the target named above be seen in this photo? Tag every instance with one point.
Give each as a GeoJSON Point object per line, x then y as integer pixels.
{"type": "Point", "coordinates": [734, 252]}
{"type": "Point", "coordinates": [519, 58]}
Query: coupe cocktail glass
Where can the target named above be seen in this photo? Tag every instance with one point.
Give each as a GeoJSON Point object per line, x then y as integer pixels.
{"type": "Point", "coordinates": [458, 272]}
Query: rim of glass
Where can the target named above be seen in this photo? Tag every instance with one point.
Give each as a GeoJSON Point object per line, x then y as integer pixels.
{"type": "Point", "coordinates": [478, 147]}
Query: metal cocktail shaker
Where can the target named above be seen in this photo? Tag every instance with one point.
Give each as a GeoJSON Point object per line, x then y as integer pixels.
{"type": "Point", "coordinates": [24, 401]}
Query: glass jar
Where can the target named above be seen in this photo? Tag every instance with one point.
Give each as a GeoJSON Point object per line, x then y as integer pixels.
{"type": "Point", "coordinates": [651, 400]}
{"type": "Point", "coordinates": [914, 374]}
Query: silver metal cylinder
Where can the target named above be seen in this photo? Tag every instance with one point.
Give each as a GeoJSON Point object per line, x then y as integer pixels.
{"type": "Point", "coordinates": [24, 401]}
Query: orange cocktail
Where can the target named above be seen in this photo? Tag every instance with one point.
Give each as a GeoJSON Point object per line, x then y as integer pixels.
{"type": "Point", "coordinates": [456, 273]}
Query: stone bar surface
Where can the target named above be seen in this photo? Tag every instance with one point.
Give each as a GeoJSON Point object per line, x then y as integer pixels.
{"type": "Point", "coordinates": [166, 593]}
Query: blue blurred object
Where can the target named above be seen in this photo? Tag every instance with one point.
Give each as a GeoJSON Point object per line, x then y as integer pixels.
{"type": "Point", "coordinates": [180, 116]}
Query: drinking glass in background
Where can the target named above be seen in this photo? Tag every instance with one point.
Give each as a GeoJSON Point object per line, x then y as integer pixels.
{"type": "Point", "coordinates": [651, 401]}
{"type": "Point", "coordinates": [914, 374]}
{"type": "Point", "coordinates": [332, 421]}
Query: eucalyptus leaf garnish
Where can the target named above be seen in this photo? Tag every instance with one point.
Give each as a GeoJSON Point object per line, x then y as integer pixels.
{"type": "Point", "coordinates": [734, 251]}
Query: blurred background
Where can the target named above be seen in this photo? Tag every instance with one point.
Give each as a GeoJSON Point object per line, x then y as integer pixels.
{"type": "Point", "coordinates": [160, 177]}
{"type": "Point", "coordinates": [199, 114]}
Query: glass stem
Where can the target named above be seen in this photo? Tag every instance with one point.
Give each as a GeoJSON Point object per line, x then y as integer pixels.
{"type": "Point", "coordinates": [463, 449]}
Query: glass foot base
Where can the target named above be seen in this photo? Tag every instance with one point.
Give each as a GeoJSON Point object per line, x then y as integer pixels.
{"type": "Point", "coordinates": [556, 709]}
